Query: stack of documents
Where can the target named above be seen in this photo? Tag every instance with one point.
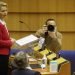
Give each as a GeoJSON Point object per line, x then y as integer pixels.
{"type": "Point", "coordinates": [30, 39]}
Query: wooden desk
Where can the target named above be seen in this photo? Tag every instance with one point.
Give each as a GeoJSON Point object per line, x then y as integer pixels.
{"type": "Point", "coordinates": [65, 65]}
{"type": "Point", "coordinates": [64, 70]}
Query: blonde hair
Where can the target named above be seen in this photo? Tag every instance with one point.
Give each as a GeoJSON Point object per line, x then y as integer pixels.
{"type": "Point", "coordinates": [2, 4]}
{"type": "Point", "coordinates": [21, 60]}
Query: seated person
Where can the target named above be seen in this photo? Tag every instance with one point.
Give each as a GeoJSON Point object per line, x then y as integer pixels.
{"type": "Point", "coordinates": [21, 63]}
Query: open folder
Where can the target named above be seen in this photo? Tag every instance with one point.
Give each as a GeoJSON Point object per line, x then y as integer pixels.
{"type": "Point", "coordinates": [27, 40]}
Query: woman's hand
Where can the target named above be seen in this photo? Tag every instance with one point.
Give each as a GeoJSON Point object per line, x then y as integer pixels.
{"type": "Point", "coordinates": [13, 40]}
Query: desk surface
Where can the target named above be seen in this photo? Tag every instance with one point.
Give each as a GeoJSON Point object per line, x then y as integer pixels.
{"type": "Point", "coordinates": [62, 71]}
{"type": "Point", "coordinates": [45, 71]}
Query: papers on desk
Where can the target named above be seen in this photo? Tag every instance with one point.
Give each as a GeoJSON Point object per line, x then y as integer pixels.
{"type": "Point", "coordinates": [44, 52]}
{"type": "Point", "coordinates": [26, 40]}
{"type": "Point", "coordinates": [60, 60]}
{"type": "Point", "coordinates": [32, 59]}
{"type": "Point", "coordinates": [51, 56]}
{"type": "Point", "coordinates": [36, 48]}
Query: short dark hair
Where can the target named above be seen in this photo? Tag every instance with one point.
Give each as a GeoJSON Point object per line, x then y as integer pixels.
{"type": "Point", "coordinates": [49, 20]}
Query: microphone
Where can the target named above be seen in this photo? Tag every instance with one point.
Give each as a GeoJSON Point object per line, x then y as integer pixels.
{"type": "Point", "coordinates": [25, 24]}
{"type": "Point", "coordinates": [21, 21]}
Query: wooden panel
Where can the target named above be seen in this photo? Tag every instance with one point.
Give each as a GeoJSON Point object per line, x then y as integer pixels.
{"type": "Point", "coordinates": [18, 35]}
{"type": "Point", "coordinates": [65, 5]}
{"type": "Point", "coordinates": [41, 5]}
{"type": "Point", "coordinates": [32, 22]}
{"type": "Point", "coordinates": [66, 22]}
{"type": "Point", "coordinates": [29, 5]}
{"type": "Point", "coordinates": [13, 5]}
{"type": "Point", "coordinates": [47, 6]}
{"type": "Point", "coordinates": [35, 12]}
{"type": "Point", "coordinates": [13, 22]}
{"type": "Point", "coordinates": [68, 42]}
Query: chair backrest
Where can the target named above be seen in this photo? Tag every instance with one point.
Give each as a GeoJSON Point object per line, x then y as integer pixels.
{"type": "Point", "coordinates": [74, 73]}
{"type": "Point", "coordinates": [14, 51]}
{"type": "Point", "coordinates": [70, 56]}
{"type": "Point", "coordinates": [24, 72]}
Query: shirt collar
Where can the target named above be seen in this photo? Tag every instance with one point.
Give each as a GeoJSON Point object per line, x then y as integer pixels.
{"type": "Point", "coordinates": [3, 22]}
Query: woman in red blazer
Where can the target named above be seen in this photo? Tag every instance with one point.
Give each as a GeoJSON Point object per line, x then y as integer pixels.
{"type": "Point", "coordinates": [5, 41]}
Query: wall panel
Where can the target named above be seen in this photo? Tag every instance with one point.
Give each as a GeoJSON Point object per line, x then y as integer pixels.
{"type": "Point", "coordinates": [34, 13]}
{"type": "Point", "coordinates": [41, 5]}
{"type": "Point", "coordinates": [68, 42]}
{"type": "Point", "coordinates": [32, 22]}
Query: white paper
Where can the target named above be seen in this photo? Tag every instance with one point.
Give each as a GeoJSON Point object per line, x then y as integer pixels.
{"type": "Point", "coordinates": [26, 40]}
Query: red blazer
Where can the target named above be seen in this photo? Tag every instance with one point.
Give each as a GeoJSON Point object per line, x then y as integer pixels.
{"type": "Point", "coordinates": [5, 42]}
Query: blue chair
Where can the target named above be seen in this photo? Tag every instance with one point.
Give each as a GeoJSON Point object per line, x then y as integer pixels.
{"type": "Point", "coordinates": [70, 56]}
{"type": "Point", "coordinates": [14, 51]}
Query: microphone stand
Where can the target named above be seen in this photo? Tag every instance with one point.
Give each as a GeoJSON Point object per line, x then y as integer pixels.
{"type": "Point", "coordinates": [25, 24]}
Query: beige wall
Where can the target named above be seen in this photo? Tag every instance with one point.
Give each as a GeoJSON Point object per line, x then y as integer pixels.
{"type": "Point", "coordinates": [35, 12]}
